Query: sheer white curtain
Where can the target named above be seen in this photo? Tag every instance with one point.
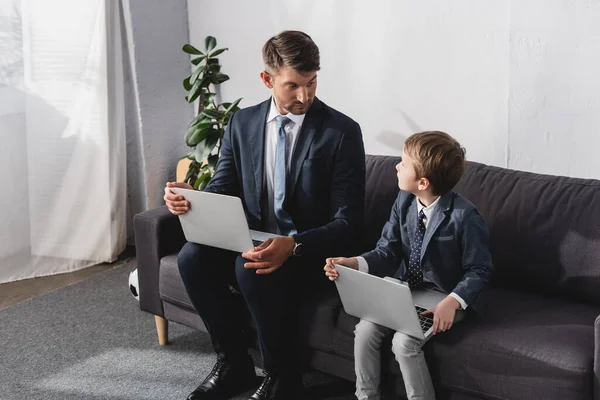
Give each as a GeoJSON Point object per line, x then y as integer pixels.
{"type": "Point", "coordinates": [62, 136]}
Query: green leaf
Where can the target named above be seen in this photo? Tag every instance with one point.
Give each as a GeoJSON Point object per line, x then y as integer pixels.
{"type": "Point", "coordinates": [198, 60]}
{"type": "Point", "coordinates": [188, 48]}
{"type": "Point", "coordinates": [200, 122]}
{"type": "Point", "coordinates": [200, 134]}
{"type": "Point", "coordinates": [213, 113]}
{"type": "Point", "coordinates": [230, 107]}
{"type": "Point", "coordinates": [189, 133]}
{"type": "Point", "coordinates": [205, 182]}
{"type": "Point", "coordinates": [196, 74]}
{"type": "Point", "coordinates": [189, 173]}
{"type": "Point", "coordinates": [205, 147]}
{"type": "Point", "coordinates": [217, 52]}
{"type": "Point", "coordinates": [214, 68]}
{"type": "Point", "coordinates": [199, 119]}
{"type": "Point", "coordinates": [209, 43]}
{"type": "Point", "coordinates": [218, 78]}
{"type": "Point", "coordinates": [195, 91]}
{"type": "Point", "coordinates": [209, 98]}
{"type": "Point", "coordinates": [191, 153]}
{"type": "Point", "coordinates": [186, 84]}
{"type": "Point", "coordinates": [212, 161]}
{"type": "Point", "coordinates": [221, 78]}
{"type": "Point", "coordinates": [197, 183]}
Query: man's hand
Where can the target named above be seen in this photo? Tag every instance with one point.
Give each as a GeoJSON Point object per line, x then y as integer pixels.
{"type": "Point", "coordinates": [443, 314]}
{"type": "Point", "coordinates": [176, 203]}
{"type": "Point", "coordinates": [270, 255]}
{"type": "Point", "coordinates": [330, 270]}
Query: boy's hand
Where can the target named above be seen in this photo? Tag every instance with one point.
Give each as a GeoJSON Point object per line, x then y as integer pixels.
{"type": "Point", "coordinates": [330, 270]}
{"type": "Point", "coordinates": [443, 314]}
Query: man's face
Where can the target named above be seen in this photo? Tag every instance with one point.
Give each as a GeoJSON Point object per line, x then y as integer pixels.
{"type": "Point", "coordinates": [294, 92]}
{"type": "Point", "coordinates": [407, 177]}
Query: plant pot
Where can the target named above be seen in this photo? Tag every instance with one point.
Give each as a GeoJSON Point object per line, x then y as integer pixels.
{"type": "Point", "coordinates": [182, 169]}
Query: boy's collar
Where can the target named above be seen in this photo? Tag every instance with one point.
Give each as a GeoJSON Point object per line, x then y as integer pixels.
{"type": "Point", "coordinates": [421, 206]}
{"type": "Point", "coordinates": [443, 202]}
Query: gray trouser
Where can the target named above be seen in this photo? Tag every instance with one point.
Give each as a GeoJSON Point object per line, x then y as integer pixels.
{"type": "Point", "coordinates": [410, 357]}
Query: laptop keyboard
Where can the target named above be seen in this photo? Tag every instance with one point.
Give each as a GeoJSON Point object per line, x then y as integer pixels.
{"type": "Point", "coordinates": [425, 320]}
{"type": "Point", "coordinates": [257, 242]}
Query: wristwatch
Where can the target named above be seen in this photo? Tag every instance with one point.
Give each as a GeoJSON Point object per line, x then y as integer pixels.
{"type": "Point", "coordinates": [298, 247]}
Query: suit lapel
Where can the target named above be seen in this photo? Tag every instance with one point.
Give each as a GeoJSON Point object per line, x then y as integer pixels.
{"type": "Point", "coordinates": [439, 214]}
{"type": "Point", "coordinates": [256, 129]}
{"type": "Point", "coordinates": [311, 124]}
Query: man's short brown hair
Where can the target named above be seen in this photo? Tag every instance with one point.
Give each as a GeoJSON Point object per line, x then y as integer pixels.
{"type": "Point", "coordinates": [438, 157]}
{"type": "Point", "coordinates": [292, 49]}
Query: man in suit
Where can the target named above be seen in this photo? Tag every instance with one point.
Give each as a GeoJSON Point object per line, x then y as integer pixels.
{"type": "Point", "coordinates": [299, 168]}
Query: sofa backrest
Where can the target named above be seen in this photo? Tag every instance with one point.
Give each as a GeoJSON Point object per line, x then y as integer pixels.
{"type": "Point", "coordinates": [381, 190]}
{"type": "Point", "coordinates": [544, 229]}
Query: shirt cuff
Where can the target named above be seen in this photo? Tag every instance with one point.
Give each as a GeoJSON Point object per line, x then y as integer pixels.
{"type": "Point", "coordinates": [463, 305]}
{"type": "Point", "coordinates": [363, 266]}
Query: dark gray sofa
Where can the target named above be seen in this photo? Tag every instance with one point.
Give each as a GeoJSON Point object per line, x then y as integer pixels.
{"type": "Point", "coordinates": [540, 336]}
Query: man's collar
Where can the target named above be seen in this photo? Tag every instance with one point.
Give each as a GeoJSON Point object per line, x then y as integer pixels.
{"type": "Point", "coordinates": [274, 112]}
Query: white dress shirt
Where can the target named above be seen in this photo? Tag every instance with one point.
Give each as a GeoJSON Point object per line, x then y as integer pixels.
{"type": "Point", "coordinates": [292, 129]}
{"type": "Point", "coordinates": [428, 211]}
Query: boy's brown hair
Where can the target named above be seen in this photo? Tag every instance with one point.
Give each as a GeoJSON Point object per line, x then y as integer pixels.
{"type": "Point", "coordinates": [438, 157]}
{"type": "Point", "coordinates": [292, 49]}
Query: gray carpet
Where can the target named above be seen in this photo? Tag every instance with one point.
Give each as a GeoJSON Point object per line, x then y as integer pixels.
{"type": "Point", "coordinates": [91, 341]}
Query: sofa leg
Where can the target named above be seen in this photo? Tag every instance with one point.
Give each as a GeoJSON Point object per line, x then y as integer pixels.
{"type": "Point", "coordinates": [162, 328]}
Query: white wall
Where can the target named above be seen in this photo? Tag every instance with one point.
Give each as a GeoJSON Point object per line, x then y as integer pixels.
{"type": "Point", "coordinates": [515, 82]}
{"type": "Point", "coordinates": [157, 114]}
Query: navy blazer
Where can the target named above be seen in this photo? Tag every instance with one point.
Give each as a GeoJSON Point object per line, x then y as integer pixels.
{"type": "Point", "coordinates": [455, 254]}
{"type": "Point", "coordinates": [326, 183]}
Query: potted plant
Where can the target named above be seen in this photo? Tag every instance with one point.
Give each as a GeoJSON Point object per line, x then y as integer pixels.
{"type": "Point", "coordinates": [205, 132]}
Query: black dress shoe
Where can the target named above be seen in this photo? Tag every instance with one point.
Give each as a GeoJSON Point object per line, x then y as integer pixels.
{"type": "Point", "coordinates": [278, 389]}
{"type": "Point", "coordinates": [225, 380]}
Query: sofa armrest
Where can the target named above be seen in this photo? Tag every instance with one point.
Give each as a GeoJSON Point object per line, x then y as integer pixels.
{"type": "Point", "coordinates": [157, 234]}
{"type": "Point", "coordinates": [597, 359]}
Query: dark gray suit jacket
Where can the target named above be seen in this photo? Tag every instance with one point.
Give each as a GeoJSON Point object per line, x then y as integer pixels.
{"type": "Point", "coordinates": [325, 185]}
{"type": "Point", "coordinates": [455, 253]}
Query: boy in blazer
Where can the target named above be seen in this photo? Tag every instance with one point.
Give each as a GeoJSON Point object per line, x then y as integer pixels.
{"type": "Point", "coordinates": [434, 238]}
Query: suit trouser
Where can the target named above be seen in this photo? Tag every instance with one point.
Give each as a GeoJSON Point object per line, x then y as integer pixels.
{"type": "Point", "coordinates": [408, 352]}
{"type": "Point", "coordinates": [208, 273]}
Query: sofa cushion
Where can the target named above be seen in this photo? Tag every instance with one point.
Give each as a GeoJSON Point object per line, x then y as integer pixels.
{"type": "Point", "coordinates": [316, 319]}
{"type": "Point", "coordinates": [544, 230]}
{"type": "Point", "coordinates": [170, 285]}
{"type": "Point", "coordinates": [525, 346]}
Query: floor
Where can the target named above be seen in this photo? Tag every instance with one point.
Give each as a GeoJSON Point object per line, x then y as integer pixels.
{"type": "Point", "coordinates": [16, 292]}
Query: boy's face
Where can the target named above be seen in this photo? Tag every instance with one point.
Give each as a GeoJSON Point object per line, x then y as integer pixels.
{"type": "Point", "coordinates": [407, 176]}
{"type": "Point", "coordinates": [294, 91]}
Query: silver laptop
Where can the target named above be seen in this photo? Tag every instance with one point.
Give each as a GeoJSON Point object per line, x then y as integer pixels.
{"type": "Point", "coordinates": [219, 221]}
{"type": "Point", "coordinates": [388, 302]}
